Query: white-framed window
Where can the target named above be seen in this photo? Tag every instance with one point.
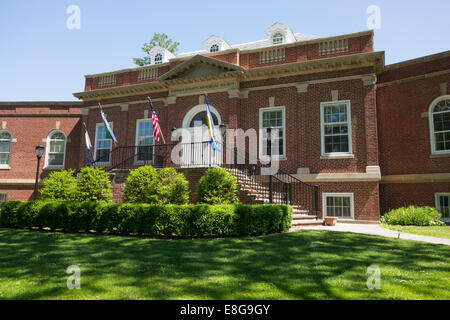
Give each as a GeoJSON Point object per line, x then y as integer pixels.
{"type": "Point", "coordinates": [340, 205]}
{"type": "Point", "coordinates": [144, 141]}
{"type": "Point", "coordinates": [439, 115]}
{"type": "Point", "coordinates": [56, 149]}
{"type": "Point", "coordinates": [277, 38]}
{"type": "Point", "coordinates": [158, 58]}
{"type": "Point", "coordinates": [443, 205]}
{"type": "Point", "coordinates": [103, 145]}
{"type": "Point", "coordinates": [274, 118]}
{"type": "Point", "coordinates": [2, 197]}
{"type": "Point", "coordinates": [214, 48]}
{"type": "Point", "coordinates": [5, 148]}
{"type": "Point", "coordinates": [336, 128]}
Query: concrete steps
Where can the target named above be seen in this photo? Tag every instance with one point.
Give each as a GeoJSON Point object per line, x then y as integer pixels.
{"type": "Point", "coordinates": [260, 195]}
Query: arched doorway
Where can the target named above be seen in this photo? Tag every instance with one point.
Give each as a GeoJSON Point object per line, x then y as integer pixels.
{"type": "Point", "coordinates": [197, 151]}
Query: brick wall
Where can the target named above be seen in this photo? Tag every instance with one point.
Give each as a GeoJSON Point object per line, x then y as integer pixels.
{"type": "Point", "coordinates": [404, 130]}
{"type": "Point", "coordinates": [396, 195]}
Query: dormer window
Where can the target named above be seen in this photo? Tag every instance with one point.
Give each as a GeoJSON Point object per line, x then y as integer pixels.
{"type": "Point", "coordinates": [280, 34]}
{"type": "Point", "coordinates": [277, 39]}
{"type": "Point", "coordinates": [215, 44]}
{"type": "Point", "coordinates": [214, 48]}
{"type": "Point", "coordinates": [160, 55]}
{"type": "Point", "coordinates": [158, 58]}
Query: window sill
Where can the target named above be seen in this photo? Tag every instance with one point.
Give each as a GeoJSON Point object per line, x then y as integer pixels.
{"type": "Point", "coordinates": [440, 155]}
{"type": "Point", "coordinates": [337, 156]}
{"type": "Point", "coordinates": [341, 219]}
{"type": "Point", "coordinates": [53, 168]}
{"type": "Point", "coordinates": [274, 158]}
{"type": "Point", "coordinates": [4, 167]}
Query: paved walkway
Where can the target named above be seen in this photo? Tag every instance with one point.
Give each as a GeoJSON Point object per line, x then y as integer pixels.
{"type": "Point", "coordinates": [377, 230]}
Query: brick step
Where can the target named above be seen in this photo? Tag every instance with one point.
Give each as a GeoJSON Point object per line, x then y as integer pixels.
{"type": "Point", "coordinates": [303, 217]}
{"type": "Point", "coordinates": [307, 223]}
{"type": "Point", "coordinates": [265, 196]}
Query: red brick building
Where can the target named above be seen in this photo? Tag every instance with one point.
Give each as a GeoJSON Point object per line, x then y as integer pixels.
{"type": "Point", "coordinates": [372, 137]}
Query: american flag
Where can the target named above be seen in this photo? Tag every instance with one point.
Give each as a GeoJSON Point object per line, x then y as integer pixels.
{"type": "Point", "coordinates": [155, 122]}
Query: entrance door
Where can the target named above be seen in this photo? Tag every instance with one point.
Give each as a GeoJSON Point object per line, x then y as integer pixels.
{"type": "Point", "coordinates": [198, 152]}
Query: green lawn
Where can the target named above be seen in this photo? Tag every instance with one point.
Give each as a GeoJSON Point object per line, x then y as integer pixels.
{"type": "Point", "coordinates": [299, 265]}
{"type": "Point", "coordinates": [439, 232]}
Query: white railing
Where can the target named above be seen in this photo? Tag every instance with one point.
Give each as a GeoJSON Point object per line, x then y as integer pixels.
{"type": "Point", "coordinates": [272, 55]}
{"type": "Point", "coordinates": [148, 74]}
{"type": "Point", "coordinates": [107, 80]}
{"type": "Point", "coordinates": [333, 46]}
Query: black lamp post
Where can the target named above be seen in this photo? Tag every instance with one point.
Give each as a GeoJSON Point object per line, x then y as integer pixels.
{"type": "Point", "coordinates": [223, 131]}
{"type": "Point", "coordinates": [269, 142]}
{"type": "Point", "coordinates": [39, 152]}
{"type": "Point", "coordinates": [269, 146]}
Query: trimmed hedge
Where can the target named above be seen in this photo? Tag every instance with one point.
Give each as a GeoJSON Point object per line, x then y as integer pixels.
{"type": "Point", "coordinates": [413, 216]}
{"type": "Point", "coordinates": [153, 220]}
{"type": "Point", "coordinates": [217, 186]}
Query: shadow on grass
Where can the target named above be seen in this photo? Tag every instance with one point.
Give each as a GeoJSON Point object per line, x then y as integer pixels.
{"type": "Point", "coordinates": [300, 265]}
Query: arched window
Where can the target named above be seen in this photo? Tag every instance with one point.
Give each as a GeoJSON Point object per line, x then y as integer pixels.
{"type": "Point", "coordinates": [5, 148]}
{"type": "Point", "coordinates": [201, 118]}
{"type": "Point", "coordinates": [158, 58]}
{"type": "Point", "coordinates": [440, 125]}
{"type": "Point", "coordinates": [214, 48]}
{"type": "Point", "coordinates": [56, 150]}
{"type": "Point", "coordinates": [277, 38]}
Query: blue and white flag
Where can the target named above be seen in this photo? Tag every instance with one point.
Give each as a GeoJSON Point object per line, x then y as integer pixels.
{"type": "Point", "coordinates": [211, 128]}
{"type": "Point", "coordinates": [87, 140]}
{"type": "Point", "coordinates": [109, 132]}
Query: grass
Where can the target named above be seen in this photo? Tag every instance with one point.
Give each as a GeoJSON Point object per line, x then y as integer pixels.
{"type": "Point", "coordinates": [299, 265]}
{"type": "Point", "coordinates": [439, 232]}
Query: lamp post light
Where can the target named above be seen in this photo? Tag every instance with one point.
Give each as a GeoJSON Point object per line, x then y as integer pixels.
{"type": "Point", "coordinates": [269, 146]}
{"type": "Point", "coordinates": [39, 152]}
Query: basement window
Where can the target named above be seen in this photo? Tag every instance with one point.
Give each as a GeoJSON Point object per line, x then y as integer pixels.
{"type": "Point", "coordinates": [338, 205]}
{"type": "Point", "coordinates": [2, 198]}
{"type": "Point", "coordinates": [443, 205]}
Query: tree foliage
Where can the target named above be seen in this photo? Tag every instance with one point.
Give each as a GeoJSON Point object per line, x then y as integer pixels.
{"type": "Point", "coordinates": [93, 184]}
{"type": "Point", "coordinates": [159, 39]}
{"type": "Point", "coordinates": [59, 185]}
{"type": "Point", "coordinates": [148, 185]}
{"type": "Point", "coordinates": [217, 186]}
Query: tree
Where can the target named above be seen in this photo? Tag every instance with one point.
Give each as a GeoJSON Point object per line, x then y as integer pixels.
{"type": "Point", "coordinates": [161, 40]}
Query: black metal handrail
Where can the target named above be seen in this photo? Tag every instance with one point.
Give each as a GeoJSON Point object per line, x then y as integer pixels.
{"type": "Point", "coordinates": [301, 194]}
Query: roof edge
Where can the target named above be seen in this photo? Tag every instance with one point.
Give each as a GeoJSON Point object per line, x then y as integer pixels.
{"type": "Point", "coordinates": [403, 64]}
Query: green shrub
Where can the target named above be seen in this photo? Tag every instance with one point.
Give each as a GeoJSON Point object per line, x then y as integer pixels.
{"type": "Point", "coordinates": [155, 220]}
{"type": "Point", "coordinates": [93, 185]}
{"type": "Point", "coordinates": [413, 216]}
{"type": "Point", "coordinates": [142, 186]}
{"type": "Point", "coordinates": [217, 186]}
{"type": "Point", "coordinates": [59, 185]}
{"type": "Point", "coordinates": [148, 185]}
{"type": "Point", "coordinates": [173, 188]}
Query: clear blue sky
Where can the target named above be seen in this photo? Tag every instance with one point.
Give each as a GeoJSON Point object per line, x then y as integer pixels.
{"type": "Point", "coordinates": [41, 59]}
